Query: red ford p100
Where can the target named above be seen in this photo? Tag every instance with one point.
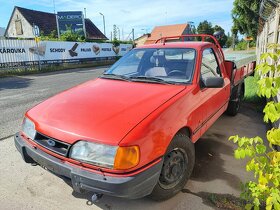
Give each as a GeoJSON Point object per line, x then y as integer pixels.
{"type": "Point", "coordinates": [131, 132]}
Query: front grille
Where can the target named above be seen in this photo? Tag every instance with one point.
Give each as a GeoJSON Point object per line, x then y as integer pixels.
{"type": "Point", "coordinates": [51, 144]}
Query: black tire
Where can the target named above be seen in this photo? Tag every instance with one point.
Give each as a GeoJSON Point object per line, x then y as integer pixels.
{"type": "Point", "coordinates": [181, 148]}
{"type": "Point", "coordinates": [234, 106]}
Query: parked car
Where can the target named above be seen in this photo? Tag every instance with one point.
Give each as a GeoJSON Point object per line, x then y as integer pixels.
{"type": "Point", "coordinates": [131, 132]}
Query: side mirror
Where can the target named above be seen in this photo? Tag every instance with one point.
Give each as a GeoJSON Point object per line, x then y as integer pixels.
{"type": "Point", "coordinates": [214, 82]}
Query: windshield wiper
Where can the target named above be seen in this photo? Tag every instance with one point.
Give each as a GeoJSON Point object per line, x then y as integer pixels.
{"type": "Point", "coordinates": [150, 79]}
{"type": "Point", "coordinates": [115, 76]}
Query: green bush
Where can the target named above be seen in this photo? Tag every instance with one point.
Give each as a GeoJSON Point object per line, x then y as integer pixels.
{"type": "Point", "coordinates": [264, 161]}
{"type": "Point", "coordinates": [74, 37]}
{"type": "Point", "coordinates": [243, 45]}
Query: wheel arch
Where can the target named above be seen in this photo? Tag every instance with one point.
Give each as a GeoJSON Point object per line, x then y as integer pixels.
{"type": "Point", "coordinates": [185, 130]}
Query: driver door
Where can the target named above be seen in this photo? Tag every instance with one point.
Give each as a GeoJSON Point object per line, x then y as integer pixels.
{"type": "Point", "coordinates": [214, 99]}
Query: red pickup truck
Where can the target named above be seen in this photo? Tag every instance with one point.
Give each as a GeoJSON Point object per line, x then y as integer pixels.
{"type": "Point", "coordinates": [131, 132]}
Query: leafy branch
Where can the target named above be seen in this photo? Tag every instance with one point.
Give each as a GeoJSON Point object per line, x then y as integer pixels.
{"type": "Point", "coordinates": [264, 162]}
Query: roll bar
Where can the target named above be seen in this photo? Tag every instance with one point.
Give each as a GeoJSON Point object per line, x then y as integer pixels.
{"type": "Point", "coordinates": [202, 36]}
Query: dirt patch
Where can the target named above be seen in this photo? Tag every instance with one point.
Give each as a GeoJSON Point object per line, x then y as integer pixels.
{"type": "Point", "coordinates": [228, 202]}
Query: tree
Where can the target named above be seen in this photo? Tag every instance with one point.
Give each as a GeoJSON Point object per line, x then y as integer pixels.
{"type": "Point", "coordinates": [205, 27]}
{"type": "Point", "coordinates": [115, 32]}
{"type": "Point", "coordinates": [245, 16]}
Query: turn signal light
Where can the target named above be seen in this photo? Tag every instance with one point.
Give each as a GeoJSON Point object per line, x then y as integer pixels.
{"type": "Point", "coordinates": [127, 157]}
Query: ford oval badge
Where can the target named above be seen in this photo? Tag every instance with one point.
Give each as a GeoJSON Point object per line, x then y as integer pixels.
{"type": "Point", "coordinates": [51, 142]}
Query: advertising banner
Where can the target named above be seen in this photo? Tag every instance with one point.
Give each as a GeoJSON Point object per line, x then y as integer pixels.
{"type": "Point", "coordinates": [70, 22]}
{"type": "Point", "coordinates": [18, 51]}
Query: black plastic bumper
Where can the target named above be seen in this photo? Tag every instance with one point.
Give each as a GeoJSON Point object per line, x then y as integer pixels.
{"type": "Point", "coordinates": [131, 187]}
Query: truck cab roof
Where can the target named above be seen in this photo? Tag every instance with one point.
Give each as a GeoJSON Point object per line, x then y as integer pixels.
{"type": "Point", "coordinates": [186, 44]}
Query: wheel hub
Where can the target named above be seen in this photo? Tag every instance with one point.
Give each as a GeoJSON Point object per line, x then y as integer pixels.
{"type": "Point", "coordinates": [173, 169]}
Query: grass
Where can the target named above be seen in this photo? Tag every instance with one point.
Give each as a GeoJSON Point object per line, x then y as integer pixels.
{"type": "Point", "coordinates": [251, 97]}
{"type": "Point", "coordinates": [51, 68]}
{"type": "Point", "coordinates": [251, 88]}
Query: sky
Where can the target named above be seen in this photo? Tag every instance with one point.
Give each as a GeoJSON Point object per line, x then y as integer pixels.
{"type": "Point", "coordinates": [128, 14]}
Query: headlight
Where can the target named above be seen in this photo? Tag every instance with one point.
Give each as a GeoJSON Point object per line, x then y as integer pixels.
{"type": "Point", "coordinates": [112, 157]}
{"type": "Point", "coordinates": [96, 154]}
{"type": "Point", "coordinates": [28, 128]}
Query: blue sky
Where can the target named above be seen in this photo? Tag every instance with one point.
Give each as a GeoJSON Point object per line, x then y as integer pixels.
{"type": "Point", "coordinates": [128, 14]}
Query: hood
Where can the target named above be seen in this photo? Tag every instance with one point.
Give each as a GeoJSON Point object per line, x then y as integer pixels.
{"type": "Point", "coordinates": [101, 110]}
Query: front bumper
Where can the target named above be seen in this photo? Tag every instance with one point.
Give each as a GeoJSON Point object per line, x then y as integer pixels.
{"type": "Point", "coordinates": [132, 187]}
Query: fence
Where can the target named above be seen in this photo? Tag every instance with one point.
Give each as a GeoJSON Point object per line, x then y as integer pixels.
{"type": "Point", "coordinates": [269, 33]}
{"type": "Point", "coordinates": [26, 53]}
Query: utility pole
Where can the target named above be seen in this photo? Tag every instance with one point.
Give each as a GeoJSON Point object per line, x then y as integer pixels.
{"type": "Point", "coordinates": [85, 11]}
{"type": "Point", "coordinates": [103, 22]}
{"type": "Point", "coordinates": [133, 42]}
{"type": "Point", "coordinates": [53, 6]}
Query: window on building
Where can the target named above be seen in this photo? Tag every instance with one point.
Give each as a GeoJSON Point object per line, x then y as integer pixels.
{"type": "Point", "coordinates": [19, 30]}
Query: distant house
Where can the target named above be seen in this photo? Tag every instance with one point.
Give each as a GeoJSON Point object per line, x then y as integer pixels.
{"type": "Point", "coordinates": [22, 20]}
{"type": "Point", "coordinates": [141, 40]}
{"type": "Point", "coordinates": [168, 30]}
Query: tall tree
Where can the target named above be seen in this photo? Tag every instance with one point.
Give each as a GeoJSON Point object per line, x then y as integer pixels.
{"type": "Point", "coordinates": [205, 27]}
{"type": "Point", "coordinates": [245, 16]}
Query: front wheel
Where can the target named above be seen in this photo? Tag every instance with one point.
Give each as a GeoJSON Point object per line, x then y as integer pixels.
{"type": "Point", "coordinates": [177, 167]}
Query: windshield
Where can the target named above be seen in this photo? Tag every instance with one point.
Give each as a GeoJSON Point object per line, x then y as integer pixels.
{"type": "Point", "coordinates": [170, 65]}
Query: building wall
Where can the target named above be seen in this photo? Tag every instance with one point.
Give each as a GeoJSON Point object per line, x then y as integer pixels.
{"type": "Point", "coordinates": [141, 41]}
{"type": "Point", "coordinates": [19, 23]}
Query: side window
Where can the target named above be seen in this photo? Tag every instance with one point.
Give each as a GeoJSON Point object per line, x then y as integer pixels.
{"type": "Point", "coordinates": [209, 65]}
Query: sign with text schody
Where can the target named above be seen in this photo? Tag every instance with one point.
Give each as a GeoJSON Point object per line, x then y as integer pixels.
{"type": "Point", "coordinates": [18, 51]}
{"type": "Point", "coordinates": [70, 22]}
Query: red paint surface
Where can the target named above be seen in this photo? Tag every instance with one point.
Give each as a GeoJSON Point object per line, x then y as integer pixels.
{"type": "Point", "coordinates": [132, 113]}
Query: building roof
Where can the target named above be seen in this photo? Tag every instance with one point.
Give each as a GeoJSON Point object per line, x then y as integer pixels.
{"type": "Point", "coordinates": [92, 31]}
{"type": "Point", "coordinates": [143, 36]}
{"type": "Point", "coordinates": [47, 23]}
{"type": "Point", "coordinates": [44, 20]}
{"type": "Point", "coordinates": [164, 31]}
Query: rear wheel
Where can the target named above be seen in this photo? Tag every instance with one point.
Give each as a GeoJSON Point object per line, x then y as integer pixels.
{"type": "Point", "coordinates": [234, 106]}
{"type": "Point", "coordinates": [177, 168]}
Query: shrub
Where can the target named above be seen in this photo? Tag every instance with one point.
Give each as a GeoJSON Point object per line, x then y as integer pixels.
{"type": "Point", "coordinates": [264, 161]}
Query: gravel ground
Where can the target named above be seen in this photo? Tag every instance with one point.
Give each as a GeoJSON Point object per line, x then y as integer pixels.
{"type": "Point", "coordinates": [23, 186]}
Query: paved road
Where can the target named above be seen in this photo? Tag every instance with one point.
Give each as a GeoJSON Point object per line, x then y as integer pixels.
{"type": "Point", "coordinates": [25, 187]}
